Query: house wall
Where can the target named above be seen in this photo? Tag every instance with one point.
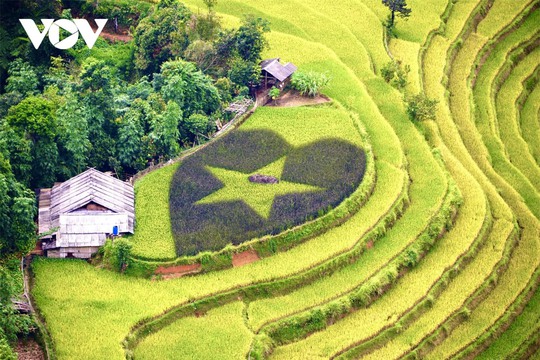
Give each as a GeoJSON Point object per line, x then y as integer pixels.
{"type": "Point", "coordinates": [76, 252]}
{"type": "Point", "coordinates": [90, 229]}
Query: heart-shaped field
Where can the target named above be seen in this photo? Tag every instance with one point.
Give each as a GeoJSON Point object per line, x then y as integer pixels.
{"type": "Point", "coordinates": [213, 202]}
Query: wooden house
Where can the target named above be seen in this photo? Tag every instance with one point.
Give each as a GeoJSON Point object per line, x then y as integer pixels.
{"type": "Point", "coordinates": [83, 212]}
{"type": "Point", "coordinates": [273, 73]}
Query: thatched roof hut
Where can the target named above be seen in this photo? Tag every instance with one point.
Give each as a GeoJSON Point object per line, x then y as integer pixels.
{"type": "Point", "coordinates": [84, 211]}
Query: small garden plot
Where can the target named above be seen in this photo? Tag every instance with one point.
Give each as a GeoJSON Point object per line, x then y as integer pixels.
{"type": "Point", "coordinates": [217, 196]}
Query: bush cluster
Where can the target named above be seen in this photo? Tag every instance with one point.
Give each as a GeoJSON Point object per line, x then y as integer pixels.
{"type": "Point", "coordinates": [117, 254]}
{"type": "Point", "coordinates": [334, 165]}
{"type": "Point", "coordinates": [396, 74]}
{"type": "Point", "coordinates": [421, 108]}
{"type": "Point", "coordinates": [309, 83]}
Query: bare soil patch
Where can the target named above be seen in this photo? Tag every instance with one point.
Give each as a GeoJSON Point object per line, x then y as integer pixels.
{"type": "Point", "coordinates": [244, 258]}
{"type": "Point", "coordinates": [113, 37]}
{"type": "Point", "coordinates": [293, 98]}
{"type": "Point", "coordinates": [29, 349]}
{"type": "Point", "coordinates": [171, 272]}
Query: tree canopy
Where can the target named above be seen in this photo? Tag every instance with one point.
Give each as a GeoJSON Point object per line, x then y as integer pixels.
{"type": "Point", "coordinates": [399, 7]}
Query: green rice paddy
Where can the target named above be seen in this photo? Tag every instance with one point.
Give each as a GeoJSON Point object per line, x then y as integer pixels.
{"type": "Point", "coordinates": [441, 257]}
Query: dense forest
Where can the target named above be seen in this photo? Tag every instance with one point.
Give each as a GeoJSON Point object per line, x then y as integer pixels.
{"type": "Point", "coordinates": [117, 107]}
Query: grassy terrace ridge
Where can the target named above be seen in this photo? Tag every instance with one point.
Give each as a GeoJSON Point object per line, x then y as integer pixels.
{"type": "Point", "coordinates": [522, 331]}
{"type": "Point", "coordinates": [219, 331]}
{"type": "Point", "coordinates": [506, 104]}
{"type": "Point", "coordinates": [487, 125]}
{"type": "Point", "coordinates": [455, 256]}
{"type": "Point", "coordinates": [498, 74]}
{"type": "Point", "coordinates": [527, 244]}
{"type": "Point", "coordinates": [436, 49]}
{"type": "Point", "coordinates": [530, 124]}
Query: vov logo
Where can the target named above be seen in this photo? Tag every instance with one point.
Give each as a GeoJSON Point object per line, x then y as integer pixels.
{"type": "Point", "coordinates": [74, 27]}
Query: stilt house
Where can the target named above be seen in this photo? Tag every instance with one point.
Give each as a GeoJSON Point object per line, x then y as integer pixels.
{"type": "Point", "coordinates": [273, 73]}
{"type": "Point", "coordinates": [83, 212]}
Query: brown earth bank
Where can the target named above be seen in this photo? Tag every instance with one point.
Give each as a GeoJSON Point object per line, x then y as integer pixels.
{"type": "Point", "coordinates": [244, 258]}
{"type": "Point", "coordinates": [171, 272]}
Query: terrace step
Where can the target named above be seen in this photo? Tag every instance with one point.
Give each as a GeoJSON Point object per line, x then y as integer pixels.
{"type": "Point", "coordinates": [530, 122]}
{"type": "Point", "coordinates": [490, 315]}
{"type": "Point", "coordinates": [420, 322]}
{"type": "Point", "coordinates": [506, 99]}
{"type": "Point", "coordinates": [523, 331]}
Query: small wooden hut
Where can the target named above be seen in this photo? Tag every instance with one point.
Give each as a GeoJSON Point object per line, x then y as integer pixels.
{"type": "Point", "coordinates": [273, 73]}
{"type": "Point", "coordinates": [84, 211]}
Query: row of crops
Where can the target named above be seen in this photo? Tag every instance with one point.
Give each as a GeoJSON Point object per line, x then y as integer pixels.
{"type": "Point", "coordinates": [434, 254]}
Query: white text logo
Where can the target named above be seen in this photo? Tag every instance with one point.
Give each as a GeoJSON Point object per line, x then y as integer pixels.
{"type": "Point", "coordinates": [74, 27]}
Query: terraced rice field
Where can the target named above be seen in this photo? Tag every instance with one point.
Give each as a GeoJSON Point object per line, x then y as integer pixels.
{"type": "Point", "coordinates": [434, 254]}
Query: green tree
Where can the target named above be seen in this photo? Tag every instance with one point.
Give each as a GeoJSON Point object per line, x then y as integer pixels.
{"type": "Point", "coordinates": [165, 132]}
{"type": "Point", "coordinates": [250, 40]}
{"type": "Point", "coordinates": [161, 36]}
{"type": "Point", "coordinates": [197, 124]}
{"type": "Point", "coordinates": [397, 6]}
{"type": "Point", "coordinates": [96, 89]}
{"type": "Point", "coordinates": [208, 26]}
{"type": "Point", "coordinates": [244, 73]}
{"type": "Point", "coordinates": [193, 91]}
{"type": "Point", "coordinates": [203, 54]}
{"type": "Point", "coordinates": [33, 120]}
{"type": "Point", "coordinates": [396, 74]}
{"type": "Point", "coordinates": [74, 142]}
{"type": "Point", "coordinates": [421, 108]}
{"type": "Point", "coordinates": [22, 78]}
{"type": "Point", "coordinates": [17, 209]}
{"type": "Point", "coordinates": [131, 147]}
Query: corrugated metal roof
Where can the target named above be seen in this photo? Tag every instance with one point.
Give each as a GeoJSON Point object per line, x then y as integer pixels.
{"type": "Point", "coordinates": [274, 68]}
{"type": "Point", "coordinates": [61, 207]}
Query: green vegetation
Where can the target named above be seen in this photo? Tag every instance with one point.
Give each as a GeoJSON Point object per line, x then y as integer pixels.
{"type": "Point", "coordinates": [399, 6]}
{"type": "Point", "coordinates": [153, 237]}
{"type": "Point", "coordinates": [309, 83]}
{"type": "Point", "coordinates": [219, 331]}
{"type": "Point", "coordinates": [420, 108]}
{"type": "Point", "coordinates": [404, 239]}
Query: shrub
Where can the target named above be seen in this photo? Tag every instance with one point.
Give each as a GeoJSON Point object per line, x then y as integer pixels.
{"type": "Point", "coordinates": [274, 93]}
{"type": "Point", "coordinates": [420, 108]}
{"type": "Point", "coordinates": [6, 352]}
{"type": "Point", "coordinates": [396, 74]}
{"type": "Point", "coordinates": [310, 83]}
{"type": "Point", "coordinates": [117, 253]}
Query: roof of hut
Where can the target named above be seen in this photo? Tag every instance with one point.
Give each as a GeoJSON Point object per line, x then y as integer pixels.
{"type": "Point", "coordinates": [90, 187]}
{"type": "Point", "coordinates": [277, 70]}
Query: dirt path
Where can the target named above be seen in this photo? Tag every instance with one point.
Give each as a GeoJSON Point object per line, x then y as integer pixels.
{"type": "Point", "coordinates": [29, 349]}
{"type": "Point", "coordinates": [113, 37]}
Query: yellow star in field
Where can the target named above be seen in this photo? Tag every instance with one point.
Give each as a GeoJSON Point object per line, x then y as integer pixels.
{"type": "Point", "coordinates": [259, 197]}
